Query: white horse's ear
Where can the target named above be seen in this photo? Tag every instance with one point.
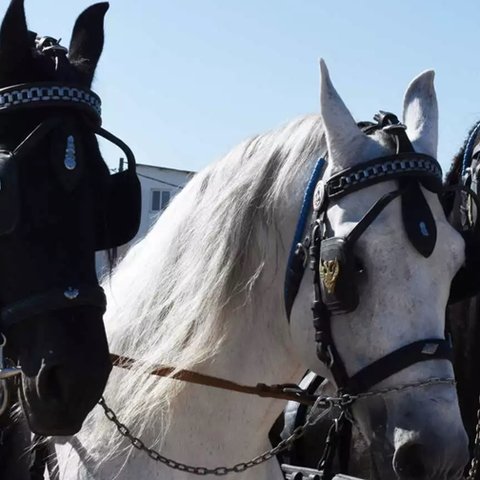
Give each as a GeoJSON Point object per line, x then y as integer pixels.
{"type": "Point", "coordinates": [344, 138]}
{"type": "Point", "coordinates": [420, 113]}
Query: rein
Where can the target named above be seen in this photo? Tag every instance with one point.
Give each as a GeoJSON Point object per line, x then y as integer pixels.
{"type": "Point", "coordinates": [290, 392]}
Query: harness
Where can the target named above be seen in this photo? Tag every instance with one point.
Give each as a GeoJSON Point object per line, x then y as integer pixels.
{"type": "Point", "coordinates": [336, 269]}
{"type": "Point", "coordinates": [123, 197]}
{"type": "Point", "coordinates": [72, 106]}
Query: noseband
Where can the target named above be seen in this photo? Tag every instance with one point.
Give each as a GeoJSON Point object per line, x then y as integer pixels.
{"type": "Point", "coordinates": [332, 258]}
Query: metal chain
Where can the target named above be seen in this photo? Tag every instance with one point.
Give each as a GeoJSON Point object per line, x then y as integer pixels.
{"type": "Point", "coordinates": [239, 467]}
{"type": "Point", "coordinates": [326, 403]}
{"type": "Point", "coordinates": [472, 473]}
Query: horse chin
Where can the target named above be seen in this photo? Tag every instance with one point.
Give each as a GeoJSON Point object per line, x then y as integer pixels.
{"type": "Point", "coordinates": [65, 372]}
{"type": "Point", "coordinates": [45, 419]}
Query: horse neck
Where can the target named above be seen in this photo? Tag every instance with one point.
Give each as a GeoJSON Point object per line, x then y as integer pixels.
{"type": "Point", "coordinates": [214, 427]}
{"type": "Point", "coordinates": [211, 427]}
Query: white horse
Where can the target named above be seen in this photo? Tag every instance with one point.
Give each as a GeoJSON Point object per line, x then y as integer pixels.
{"type": "Point", "coordinates": [204, 291]}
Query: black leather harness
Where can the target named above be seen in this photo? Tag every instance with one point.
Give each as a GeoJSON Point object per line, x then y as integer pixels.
{"type": "Point", "coordinates": [333, 262]}
{"type": "Point", "coordinates": [335, 266]}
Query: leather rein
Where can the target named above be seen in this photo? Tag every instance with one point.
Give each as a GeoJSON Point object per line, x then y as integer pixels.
{"type": "Point", "coordinates": [286, 391]}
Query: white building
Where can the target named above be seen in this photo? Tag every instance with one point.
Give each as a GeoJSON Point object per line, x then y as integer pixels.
{"type": "Point", "coordinates": [159, 186]}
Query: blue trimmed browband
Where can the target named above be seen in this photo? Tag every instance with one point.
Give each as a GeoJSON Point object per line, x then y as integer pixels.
{"type": "Point", "coordinates": [467, 154]}
{"type": "Point", "coordinates": [304, 211]}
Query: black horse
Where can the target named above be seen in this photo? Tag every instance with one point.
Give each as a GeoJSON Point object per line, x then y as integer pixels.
{"type": "Point", "coordinates": [58, 206]}
{"type": "Point", "coordinates": [463, 318]}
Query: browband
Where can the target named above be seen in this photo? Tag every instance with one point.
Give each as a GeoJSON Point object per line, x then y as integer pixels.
{"type": "Point", "coordinates": [406, 164]}
{"type": "Point", "coordinates": [51, 94]}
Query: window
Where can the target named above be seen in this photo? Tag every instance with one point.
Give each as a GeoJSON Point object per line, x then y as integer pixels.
{"type": "Point", "coordinates": [160, 200]}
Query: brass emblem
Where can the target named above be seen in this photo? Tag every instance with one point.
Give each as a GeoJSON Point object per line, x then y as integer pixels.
{"type": "Point", "coordinates": [329, 270]}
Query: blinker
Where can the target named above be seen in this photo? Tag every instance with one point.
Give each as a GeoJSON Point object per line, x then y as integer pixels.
{"type": "Point", "coordinates": [9, 193]}
{"type": "Point", "coordinates": [338, 275]}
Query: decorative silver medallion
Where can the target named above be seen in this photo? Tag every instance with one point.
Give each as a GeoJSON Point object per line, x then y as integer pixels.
{"type": "Point", "coordinates": [424, 229]}
{"type": "Point", "coordinates": [71, 293]}
{"type": "Point", "coordinates": [70, 161]}
{"type": "Point", "coordinates": [318, 195]}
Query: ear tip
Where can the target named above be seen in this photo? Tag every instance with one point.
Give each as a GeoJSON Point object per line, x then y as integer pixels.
{"type": "Point", "coordinates": [427, 77]}
{"type": "Point", "coordinates": [323, 67]}
{"type": "Point", "coordinates": [104, 6]}
{"type": "Point", "coordinates": [97, 8]}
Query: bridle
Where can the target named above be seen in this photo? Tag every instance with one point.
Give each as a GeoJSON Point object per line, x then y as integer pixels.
{"type": "Point", "coordinates": [67, 105]}
{"type": "Point", "coordinates": [64, 99]}
{"type": "Point", "coordinates": [332, 259]}
{"type": "Point", "coordinates": [335, 269]}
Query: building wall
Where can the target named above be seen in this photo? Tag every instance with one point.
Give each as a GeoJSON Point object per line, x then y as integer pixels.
{"type": "Point", "coordinates": [167, 182]}
{"type": "Point", "coordinates": [159, 179]}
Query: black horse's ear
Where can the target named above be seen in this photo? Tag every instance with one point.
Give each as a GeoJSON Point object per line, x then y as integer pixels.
{"type": "Point", "coordinates": [15, 41]}
{"type": "Point", "coordinates": [86, 44]}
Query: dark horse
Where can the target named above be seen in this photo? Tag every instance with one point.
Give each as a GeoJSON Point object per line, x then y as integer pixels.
{"type": "Point", "coordinates": [58, 205]}
{"type": "Point", "coordinates": [463, 318]}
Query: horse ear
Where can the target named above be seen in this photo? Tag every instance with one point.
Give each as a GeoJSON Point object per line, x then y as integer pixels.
{"type": "Point", "coordinates": [15, 44]}
{"type": "Point", "coordinates": [420, 113]}
{"type": "Point", "coordinates": [86, 44]}
{"type": "Point", "coordinates": [344, 138]}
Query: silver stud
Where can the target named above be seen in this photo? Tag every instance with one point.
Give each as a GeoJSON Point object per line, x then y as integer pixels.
{"type": "Point", "coordinates": [430, 348]}
{"type": "Point", "coordinates": [71, 293]}
{"type": "Point", "coordinates": [424, 229]}
{"type": "Point", "coordinates": [70, 161]}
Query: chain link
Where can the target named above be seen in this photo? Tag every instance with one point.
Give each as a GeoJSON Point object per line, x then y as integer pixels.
{"type": "Point", "coordinates": [325, 404]}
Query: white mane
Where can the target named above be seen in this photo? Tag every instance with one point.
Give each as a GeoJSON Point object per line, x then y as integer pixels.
{"type": "Point", "coordinates": [169, 299]}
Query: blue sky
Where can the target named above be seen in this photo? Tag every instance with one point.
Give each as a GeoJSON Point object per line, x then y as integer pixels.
{"type": "Point", "coordinates": [183, 81]}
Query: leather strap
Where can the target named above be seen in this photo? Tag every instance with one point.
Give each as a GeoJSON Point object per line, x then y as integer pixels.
{"type": "Point", "coordinates": [281, 392]}
{"type": "Point", "coordinates": [391, 167]}
{"type": "Point", "coordinates": [370, 216]}
{"type": "Point", "coordinates": [52, 300]}
{"type": "Point", "coordinates": [420, 351]}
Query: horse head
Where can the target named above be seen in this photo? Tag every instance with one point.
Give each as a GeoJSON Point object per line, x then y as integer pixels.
{"type": "Point", "coordinates": [57, 207]}
{"type": "Point", "coordinates": [379, 313]}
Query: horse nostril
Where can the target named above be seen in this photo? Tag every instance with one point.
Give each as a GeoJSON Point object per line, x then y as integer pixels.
{"type": "Point", "coordinates": [50, 385]}
{"type": "Point", "coordinates": [409, 461]}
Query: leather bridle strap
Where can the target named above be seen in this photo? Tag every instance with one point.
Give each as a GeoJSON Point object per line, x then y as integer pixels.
{"type": "Point", "coordinates": [282, 392]}
{"type": "Point", "coordinates": [55, 299]}
{"type": "Point", "coordinates": [403, 357]}
{"type": "Point", "coordinates": [370, 216]}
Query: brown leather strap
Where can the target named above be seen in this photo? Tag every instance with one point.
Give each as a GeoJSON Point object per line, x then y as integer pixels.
{"type": "Point", "coordinates": [283, 392]}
